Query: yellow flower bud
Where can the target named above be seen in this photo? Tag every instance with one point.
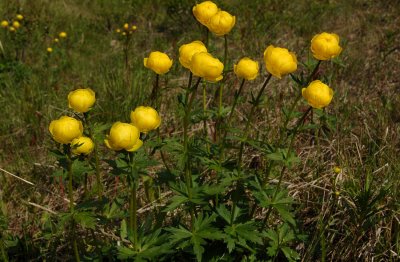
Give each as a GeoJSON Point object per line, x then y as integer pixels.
{"type": "Point", "coordinates": [325, 46]}
{"type": "Point", "coordinates": [246, 68]}
{"type": "Point", "coordinates": [158, 62]}
{"type": "Point", "coordinates": [49, 50]}
{"type": "Point", "coordinates": [123, 136]}
{"type": "Point", "coordinates": [279, 61]}
{"type": "Point", "coordinates": [337, 193]}
{"type": "Point", "coordinates": [145, 118]}
{"type": "Point", "coordinates": [187, 51]}
{"type": "Point", "coordinates": [126, 26]}
{"type": "Point", "coordinates": [81, 100]}
{"type": "Point", "coordinates": [134, 27]}
{"type": "Point", "coordinates": [56, 40]}
{"type": "Point", "coordinates": [65, 129]}
{"type": "Point", "coordinates": [19, 17]}
{"type": "Point", "coordinates": [16, 24]}
{"type": "Point", "coordinates": [221, 23]}
{"type": "Point", "coordinates": [118, 30]}
{"type": "Point", "coordinates": [124, 33]}
{"type": "Point", "coordinates": [12, 29]}
{"type": "Point", "coordinates": [206, 66]}
{"type": "Point", "coordinates": [139, 144]}
{"type": "Point", "coordinates": [317, 94]}
{"type": "Point", "coordinates": [62, 35]}
{"type": "Point", "coordinates": [204, 11]}
{"type": "Point", "coordinates": [337, 169]}
{"type": "Point", "coordinates": [4, 24]}
{"type": "Point", "coordinates": [82, 145]}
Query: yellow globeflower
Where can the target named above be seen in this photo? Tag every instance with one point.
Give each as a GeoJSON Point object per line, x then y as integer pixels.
{"type": "Point", "coordinates": [337, 169]}
{"type": "Point", "coordinates": [4, 24]}
{"type": "Point", "coordinates": [246, 68]}
{"type": "Point", "coordinates": [137, 145]}
{"type": "Point", "coordinates": [81, 100]}
{"type": "Point", "coordinates": [204, 11]}
{"type": "Point", "coordinates": [12, 29]}
{"type": "Point", "coordinates": [325, 46]}
{"type": "Point", "coordinates": [82, 145]}
{"type": "Point", "coordinates": [65, 129]}
{"type": "Point", "coordinates": [123, 136]}
{"type": "Point", "coordinates": [126, 26]}
{"type": "Point", "coordinates": [187, 51]}
{"type": "Point", "coordinates": [134, 27]}
{"type": "Point", "coordinates": [16, 24]}
{"type": "Point", "coordinates": [19, 17]}
{"type": "Point", "coordinates": [62, 35]}
{"type": "Point", "coordinates": [49, 50]}
{"type": "Point", "coordinates": [145, 118]}
{"type": "Point", "coordinates": [56, 40]}
{"type": "Point", "coordinates": [317, 94]}
{"type": "Point", "coordinates": [279, 61]}
{"type": "Point", "coordinates": [158, 62]}
{"type": "Point", "coordinates": [206, 66]}
{"type": "Point", "coordinates": [221, 23]}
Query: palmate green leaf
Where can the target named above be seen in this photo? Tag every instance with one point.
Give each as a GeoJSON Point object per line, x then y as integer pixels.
{"type": "Point", "coordinates": [224, 213]}
{"type": "Point", "coordinates": [85, 219]}
{"type": "Point", "coordinates": [175, 202]}
{"type": "Point", "coordinates": [290, 254]}
{"type": "Point", "coordinates": [123, 232]}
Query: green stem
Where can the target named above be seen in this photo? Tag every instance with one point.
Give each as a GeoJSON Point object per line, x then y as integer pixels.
{"type": "Point", "coordinates": [71, 201]}
{"type": "Point", "coordinates": [237, 95]}
{"type": "Point", "coordinates": [250, 118]}
{"type": "Point", "coordinates": [133, 201]}
{"type": "Point", "coordinates": [96, 156]}
{"type": "Point", "coordinates": [225, 50]}
{"type": "Point", "coordinates": [154, 92]}
{"type": "Point", "coordinates": [299, 123]}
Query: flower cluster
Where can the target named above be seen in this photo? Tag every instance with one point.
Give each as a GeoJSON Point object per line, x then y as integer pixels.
{"type": "Point", "coordinates": [62, 35]}
{"type": "Point", "coordinates": [216, 20]}
{"type": "Point", "coordinates": [68, 130]}
{"type": "Point", "coordinates": [126, 29]}
{"type": "Point", "coordinates": [13, 25]}
{"type": "Point", "coordinates": [126, 136]}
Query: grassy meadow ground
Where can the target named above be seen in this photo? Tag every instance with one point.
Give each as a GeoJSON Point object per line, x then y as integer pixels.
{"type": "Point", "coordinates": [350, 216]}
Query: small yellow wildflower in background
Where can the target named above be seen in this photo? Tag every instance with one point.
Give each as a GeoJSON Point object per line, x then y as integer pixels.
{"type": "Point", "coordinates": [65, 129]}
{"type": "Point", "coordinates": [145, 118]}
{"type": "Point", "coordinates": [124, 33]}
{"type": "Point", "coordinates": [134, 27]}
{"type": "Point", "coordinates": [317, 94]}
{"type": "Point", "coordinates": [126, 26]}
{"type": "Point", "coordinates": [337, 169]}
{"type": "Point", "coordinates": [204, 11]}
{"type": "Point", "coordinates": [118, 30]}
{"type": "Point", "coordinates": [62, 35]}
{"type": "Point", "coordinates": [56, 40]}
{"type": "Point", "coordinates": [187, 51]}
{"type": "Point", "coordinates": [4, 24]}
{"type": "Point", "coordinates": [221, 23]}
{"type": "Point", "coordinates": [16, 24]}
{"type": "Point", "coordinates": [81, 100]}
{"type": "Point", "coordinates": [12, 29]}
{"type": "Point", "coordinates": [279, 61]}
{"type": "Point", "coordinates": [325, 46]}
{"type": "Point", "coordinates": [123, 136]}
{"type": "Point", "coordinates": [82, 145]}
{"type": "Point", "coordinates": [49, 49]}
{"type": "Point", "coordinates": [158, 62]}
{"type": "Point", "coordinates": [19, 17]}
{"type": "Point", "coordinates": [206, 66]}
{"type": "Point", "coordinates": [246, 68]}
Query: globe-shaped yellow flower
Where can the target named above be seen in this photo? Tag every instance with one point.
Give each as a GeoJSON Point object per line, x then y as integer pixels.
{"type": "Point", "coordinates": [204, 11]}
{"type": "Point", "coordinates": [49, 50]}
{"type": "Point", "coordinates": [65, 129]}
{"type": "Point", "coordinates": [317, 94]}
{"type": "Point", "coordinates": [279, 61]}
{"type": "Point", "coordinates": [137, 145]}
{"type": "Point", "coordinates": [123, 136]}
{"type": "Point", "coordinates": [187, 51]}
{"type": "Point", "coordinates": [19, 17]}
{"type": "Point", "coordinates": [158, 62]}
{"type": "Point", "coordinates": [12, 29]}
{"type": "Point", "coordinates": [145, 118]}
{"type": "Point", "coordinates": [206, 66]}
{"type": "Point", "coordinates": [62, 35]}
{"type": "Point", "coordinates": [81, 100]}
{"type": "Point", "coordinates": [82, 145]}
{"type": "Point", "coordinates": [246, 68]}
{"type": "Point", "coordinates": [221, 23]}
{"type": "Point", "coordinates": [16, 24]}
{"type": "Point", "coordinates": [325, 46]}
{"type": "Point", "coordinates": [4, 24]}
